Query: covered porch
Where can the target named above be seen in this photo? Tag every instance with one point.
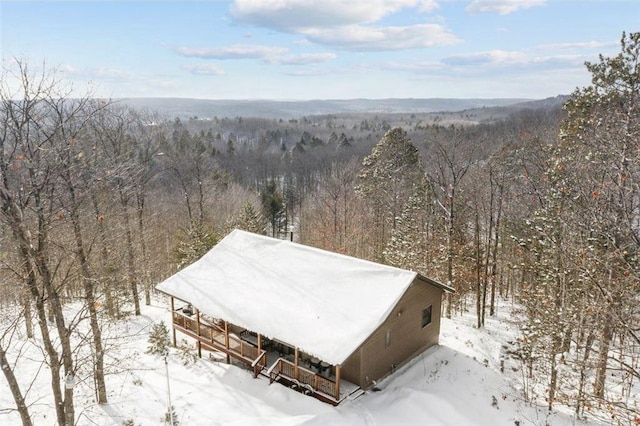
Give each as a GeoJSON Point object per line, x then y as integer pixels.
{"type": "Point", "coordinates": [274, 359]}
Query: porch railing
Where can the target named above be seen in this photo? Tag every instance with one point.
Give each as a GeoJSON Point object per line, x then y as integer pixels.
{"type": "Point", "coordinates": [259, 363]}
{"type": "Point", "coordinates": [305, 377]}
{"type": "Point", "coordinates": [185, 322]}
{"type": "Point", "coordinates": [214, 336]}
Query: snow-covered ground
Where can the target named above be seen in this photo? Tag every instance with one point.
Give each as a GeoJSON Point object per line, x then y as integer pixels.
{"type": "Point", "coordinates": [457, 383]}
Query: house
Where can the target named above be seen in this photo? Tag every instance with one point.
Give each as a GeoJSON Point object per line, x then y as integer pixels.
{"type": "Point", "coordinates": [324, 323]}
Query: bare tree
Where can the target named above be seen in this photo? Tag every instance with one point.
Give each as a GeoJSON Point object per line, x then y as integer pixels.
{"type": "Point", "coordinates": [189, 160]}
{"type": "Point", "coordinates": [113, 132]}
{"type": "Point", "coordinates": [333, 216]}
{"type": "Point", "coordinates": [10, 376]}
{"type": "Point", "coordinates": [76, 173]}
{"type": "Point", "coordinates": [28, 192]}
{"type": "Point", "coordinates": [452, 158]}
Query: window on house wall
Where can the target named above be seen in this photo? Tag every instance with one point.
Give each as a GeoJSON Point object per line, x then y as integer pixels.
{"type": "Point", "coordinates": [387, 339]}
{"type": "Point", "coordinates": [426, 316]}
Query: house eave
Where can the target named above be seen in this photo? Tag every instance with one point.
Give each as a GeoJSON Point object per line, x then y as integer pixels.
{"type": "Point", "coordinates": [438, 284]}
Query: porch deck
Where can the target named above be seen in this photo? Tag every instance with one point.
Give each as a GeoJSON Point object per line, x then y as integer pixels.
{"type": "Point", "coordinates": [215, 336]}
{"type": "Point", "coordinates": [212, 337]}
{"type": "Point", "coordinates": [310, 383]}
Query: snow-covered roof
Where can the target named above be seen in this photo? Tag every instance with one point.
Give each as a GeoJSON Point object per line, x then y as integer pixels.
{"type": "Point", "coordinates": [324, 303]}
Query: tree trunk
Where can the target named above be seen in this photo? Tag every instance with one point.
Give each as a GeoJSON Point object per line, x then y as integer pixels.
{"type": "Point", "coordinates": [111, 306]}
{"type": "Point", "coordinates": [65, 342]}
{"type": "Point", "coordinates": [488, 248]}
{"type": "Point", "coordinates": [450, 258]}
{"type": "Point", "coordinates": [200, 198]}
{"type": "Point", "coordinates": [603, 356]}
{"type": "Point", "coordinates": [38, 279]}
{"type": "Point", "coordinates": [553, 382]}
{"type": "Point", "coordinates": [131, 269]}
{"type": "Point", "coordinates": [479, 292]}
{"type": "Point", "coordinates": [583, 369]}
{"type": "Point", "coordinates": [26, 306]}
{"type": "Point", "coordinates": [494, 251]}
{"type": "Point", "coordinates": [143, 247]}
{"type": "Point", "coordinates": [23, 410]}
{"type": "Point", "coordinates": [90, 300]}
{"type": "Point", "coordinates": [50, 350]}
{"type": "Point", "coordinates": [34, 260]}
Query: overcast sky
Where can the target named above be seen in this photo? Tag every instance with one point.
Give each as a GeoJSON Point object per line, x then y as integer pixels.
{"type": "Point", "coordinates": [324, 49]}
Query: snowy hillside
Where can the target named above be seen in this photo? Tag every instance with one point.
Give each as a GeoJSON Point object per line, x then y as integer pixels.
{"type": "Point", "coordinates": [457, 383]}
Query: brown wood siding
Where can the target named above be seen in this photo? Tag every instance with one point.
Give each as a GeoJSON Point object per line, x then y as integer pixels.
{"type": "Point", "coordinates": [351, 369]}
{"type": "Point", "coordinates": [408, 337]}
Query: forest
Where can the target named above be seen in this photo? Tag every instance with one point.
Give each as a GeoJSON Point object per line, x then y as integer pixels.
{"type": "Point", "coordinates": [100, 202]}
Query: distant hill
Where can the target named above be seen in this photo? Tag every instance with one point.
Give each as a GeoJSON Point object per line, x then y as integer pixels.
{"type": "Point", "coordinates": [209, 108]}
{"type": "Point", "coordinates": [490, 114]}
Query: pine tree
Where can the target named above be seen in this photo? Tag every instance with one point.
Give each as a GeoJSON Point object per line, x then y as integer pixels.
{"type": "Point", "coordinates": [410, 244]}
{"type": "Point", "coordinates": [168, 416]}
{"type": "Point", "coordinates": [197, 243]}
{"type": "Point", "coordinates": [248, 219]}
{"type": "Point", "coordinates": [273, 205]}
{"type": "Point", "coordinates": [388, 177]}
{"type": "Point", "coordinates": [159, 341]}
{"type": "Point", "coordinates": [601, 149]}
{"type": "Point", "coordinates": [581, 246]}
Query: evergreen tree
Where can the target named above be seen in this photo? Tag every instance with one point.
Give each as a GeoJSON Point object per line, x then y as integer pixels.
{"type": "Point", "coordinates": [159, 341]}
{"type": "Point", "coordinates": [197, 242]}
{"type": "Point", "coordinates": [600, 149]}
{"type": "Point", "coordinates": [248, 219]}
{"type": "Point", "coordinates": [388, 177]}
{"type": "Point", "coordinates": [273, 205]}
{"type": "Point", "coordinates": [410, 245]}
{"type": "Point", "coordinates": [581, 245]}
{"type": "Point", "coordinates": [171, 418]}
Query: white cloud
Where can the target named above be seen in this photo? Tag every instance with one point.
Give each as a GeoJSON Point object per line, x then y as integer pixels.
{"type": "Point", "coordinates": [425, 6]}
{"type": "Point", "coordinates": [204, 69]}
{"type": "Point", "coordinates": [270, 54]}
{"type": "Point", "coordinates": [415, 67]}
{"type": "Point", "coordinates": [578, 45]}
{"type": "Point", "coordinates": [238, 51]}
{"type": "Point", "coordinates": [503, 7]}
{"type": "Point", "coordinates": [292, 15]}
{"type": "Point", "coordinates": [306, 72]}
{"type": "Point", "coordinates": [304, 58]}
{"type": "Point", "coordinates": [504, 61]}
{"type": "Point", "coordinates": [345, 24]}
{"type": "Point", "coordinates": [365, 38]}
{"type": "Point", "coordinates": [68, 69]}
{"type": "Point", "coordinates": [99, 73]}
{"type": "Point", "coordinates": [488, 57]}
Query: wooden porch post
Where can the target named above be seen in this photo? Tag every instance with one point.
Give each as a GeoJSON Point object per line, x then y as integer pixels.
{"type": "Point", "coordinates": [173, 328]}
{"type": "Point", "coordinates": [337, 383]}
{"type": "Point", "coordinates": [258, 367]}
{"type": "Point", "coordinates": [295, 374]}
{"type": "Point", "coordinates": [226, 340]}
{"type": "Point", "coordinates": [198, 341]}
